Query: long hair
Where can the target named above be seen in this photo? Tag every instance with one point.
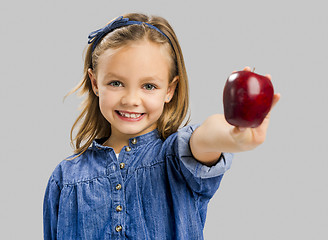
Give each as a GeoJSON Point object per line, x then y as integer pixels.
{"type": "Point", "coordinates": [91, 123]}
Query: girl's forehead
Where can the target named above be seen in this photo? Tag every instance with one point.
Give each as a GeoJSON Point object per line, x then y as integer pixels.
{"type": "Point", "coordinates": [142, 57]}
{"type": "Point", "coordinates": [146, 46]}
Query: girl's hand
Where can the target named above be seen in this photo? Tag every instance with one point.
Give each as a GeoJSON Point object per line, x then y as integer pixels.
{"type": "Point", "coordinates": [215, 135]}
{"type": "Point", "coordinates": [249, 138]}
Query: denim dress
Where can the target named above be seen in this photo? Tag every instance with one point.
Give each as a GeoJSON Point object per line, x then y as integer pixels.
{"type": "Point", "coordinates": [155, 190]}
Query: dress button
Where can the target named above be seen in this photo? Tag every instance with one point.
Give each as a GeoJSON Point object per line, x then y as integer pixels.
{"type": "Point", "coordinates": [118, 186]}
{"type": "Point", "coordinates": [119, 208]}
{"type": "Point", "coordinates": [122, 165]}
{"type": "Point", "coordinates": [128, 149]}
{"type": "Point", "coordinates": [118, 228]}
{"type": "Point", "coordinates": [134, 141]}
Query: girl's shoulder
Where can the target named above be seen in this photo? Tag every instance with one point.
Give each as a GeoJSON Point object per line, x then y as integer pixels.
{"type": "Point", "coordinates": [78, 168]}
{"type": "Point", "coordinates": [178, 142]}
{"type": "Point", "coordinates": [183, 132]}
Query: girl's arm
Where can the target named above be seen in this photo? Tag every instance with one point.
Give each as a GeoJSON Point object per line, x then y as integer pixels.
{"type": "Point", "coordinates": [216, 135]}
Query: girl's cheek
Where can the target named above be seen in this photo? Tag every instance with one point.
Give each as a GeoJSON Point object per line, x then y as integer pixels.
{"type": "Point", "coordinates": [106, 103]}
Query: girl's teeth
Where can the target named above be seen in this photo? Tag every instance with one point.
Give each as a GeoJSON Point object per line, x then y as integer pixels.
{"type": "Point", "coordinates": [128, 115]}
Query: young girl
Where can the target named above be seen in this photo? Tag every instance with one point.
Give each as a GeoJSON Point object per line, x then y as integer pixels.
{"type": "Point", "coordinates": [134, 175]}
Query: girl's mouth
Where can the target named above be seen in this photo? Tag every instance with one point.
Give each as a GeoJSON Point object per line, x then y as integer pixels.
{"type": "Point", "coordinates": [129, 116]}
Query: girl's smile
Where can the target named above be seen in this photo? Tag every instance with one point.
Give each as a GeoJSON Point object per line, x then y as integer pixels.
{"type": "Point", "coordinates": [130, 116]}
{"type": "Point", "coordinates": [133, 86]}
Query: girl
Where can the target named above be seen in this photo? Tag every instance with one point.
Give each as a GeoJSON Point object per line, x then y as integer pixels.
{"type": "Point", "coordinates": [134, 175]}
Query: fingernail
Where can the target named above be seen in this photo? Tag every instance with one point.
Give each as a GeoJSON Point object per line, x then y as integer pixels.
{"type": "Point", "coordinates": [241, 129]}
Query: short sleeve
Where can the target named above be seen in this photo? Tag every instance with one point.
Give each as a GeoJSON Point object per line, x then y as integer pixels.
{"type": "Point", "coordinates": [201, 179]}
{"type": "Point", "coordinates": [50, 210]}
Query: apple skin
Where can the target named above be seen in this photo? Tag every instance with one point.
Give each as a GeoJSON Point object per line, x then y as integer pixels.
{"type": "Point", "coordinates": [247, 99]}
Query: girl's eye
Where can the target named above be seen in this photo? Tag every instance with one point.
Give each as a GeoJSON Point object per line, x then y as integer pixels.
{"type": "Point", "coordinates": [149, 86]}
{"type": "Point", "coordinates": [115, 84]}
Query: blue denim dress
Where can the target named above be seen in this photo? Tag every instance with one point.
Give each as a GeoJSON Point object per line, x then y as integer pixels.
{"type": "Point", "coordinates": [154, 190]}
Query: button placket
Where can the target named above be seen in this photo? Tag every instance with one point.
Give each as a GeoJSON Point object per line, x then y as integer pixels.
{"type": "Point", "coordinates": [118, 214]}
{"type": "Point", "coordinates": [118, 203]}
{"type": "Point", "coordinates": [128, 152]}
{"type": "Point", "coordinates": [117, 183]}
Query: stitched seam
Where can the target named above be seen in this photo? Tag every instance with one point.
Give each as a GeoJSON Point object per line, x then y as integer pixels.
{"type": "Point", "coordinates": [84, 181]}
{"type": "Point", "coordinates": [142, 167]}
{"type": "Point", "coordinates": [149, 166]}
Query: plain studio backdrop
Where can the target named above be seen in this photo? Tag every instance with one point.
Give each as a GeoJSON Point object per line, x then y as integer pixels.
{"type": "Point", "coordinates": [277, 191]}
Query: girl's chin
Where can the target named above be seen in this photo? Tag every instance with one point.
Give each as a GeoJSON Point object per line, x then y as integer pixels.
{"type": "Point", "coordinates": [132, 131]}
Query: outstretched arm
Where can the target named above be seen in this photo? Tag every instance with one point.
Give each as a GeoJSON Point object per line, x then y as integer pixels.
{"type": "Point", "coordinates": [216, 135]}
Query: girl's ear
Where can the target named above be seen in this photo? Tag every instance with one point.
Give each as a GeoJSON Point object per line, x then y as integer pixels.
{"type": "Point", "coordinates": [171, 89]}
{"type": "Point", "coordinates": [92, 77]}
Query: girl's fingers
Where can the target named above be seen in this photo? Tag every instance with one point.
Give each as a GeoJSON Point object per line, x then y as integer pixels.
{"type": "Point", "coordinates": [268, 76]}
{"type": "Point", "coordinates": [276, 98]}
{"type": "Point", "coordinates": [248, 69]}
{"type": "Point", "coordinates": [245, 69]}
{"type": "Point", "coordinates": [241, 129]}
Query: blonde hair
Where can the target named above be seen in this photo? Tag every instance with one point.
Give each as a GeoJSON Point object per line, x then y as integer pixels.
{"type": "Point", "coordinates": [91, 123]}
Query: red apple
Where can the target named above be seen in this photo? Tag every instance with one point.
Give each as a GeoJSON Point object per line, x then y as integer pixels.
{"type": "Point", "coordinates": [247, 99]}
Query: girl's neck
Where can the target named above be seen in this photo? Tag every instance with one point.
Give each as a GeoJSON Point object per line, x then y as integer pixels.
{"type": "Point", "coordinates": [116, 143]}
{"type": "Point", "coordinates": [118, 140]}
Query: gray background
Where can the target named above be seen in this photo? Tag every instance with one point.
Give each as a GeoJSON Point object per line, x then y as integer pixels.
{"type": "Point", "coordinates": [278, 191]}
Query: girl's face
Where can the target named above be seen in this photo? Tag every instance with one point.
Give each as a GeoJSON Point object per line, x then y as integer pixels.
{"type": "Point", "coordinates": [133, 86]}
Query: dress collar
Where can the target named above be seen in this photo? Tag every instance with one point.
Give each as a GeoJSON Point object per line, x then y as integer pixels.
{"type": "Point", "coordinates": [133, 142]}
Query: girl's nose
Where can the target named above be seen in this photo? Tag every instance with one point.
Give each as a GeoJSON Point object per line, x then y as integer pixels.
{"type": "Point", "coordinates": [131, 98]}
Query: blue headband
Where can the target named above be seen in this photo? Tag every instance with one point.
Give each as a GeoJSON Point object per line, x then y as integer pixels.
{"type": "Point", "coordinates": [97, 35]}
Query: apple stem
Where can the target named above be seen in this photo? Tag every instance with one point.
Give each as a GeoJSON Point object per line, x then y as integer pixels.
{"type": "Point", "coordinates": [253, 69]}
